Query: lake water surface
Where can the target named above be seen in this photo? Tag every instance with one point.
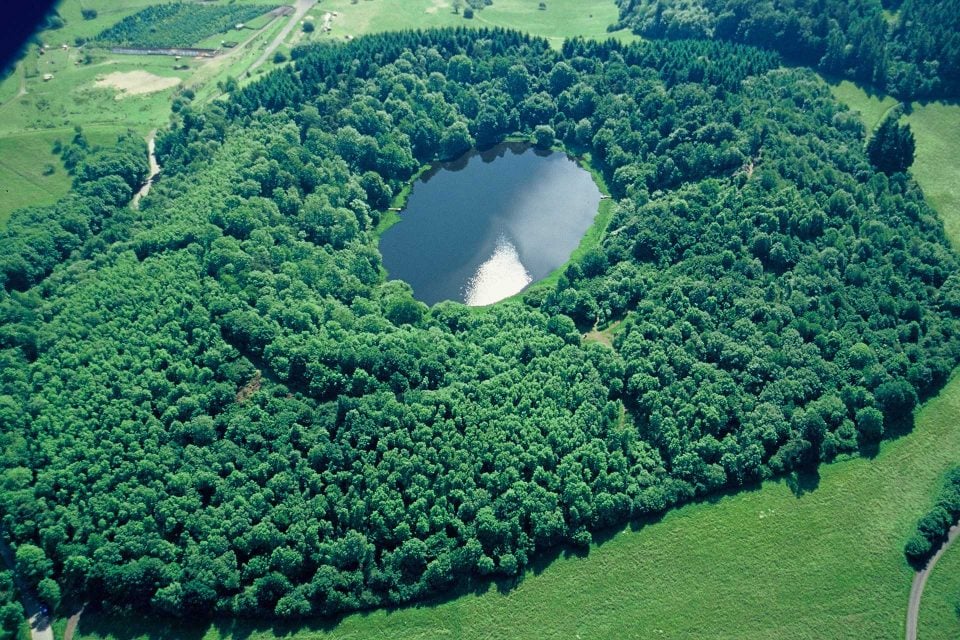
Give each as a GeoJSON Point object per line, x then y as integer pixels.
{"type": "Point", "coordinates": [481, 228]}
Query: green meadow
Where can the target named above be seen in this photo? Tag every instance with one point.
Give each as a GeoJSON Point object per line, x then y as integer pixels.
{"type": "Point", "coordinates": [25, 179]}
{"type": "Point", "coordinates": [561, 19]}
{"type": "Point", "coordinates": [936, 127]}
{"type": "Point", "coordinates": [870, 107]}
{"type": "Point", "coordinates": [940, 607]}
{"type": "Point", "coordinates": [25, 163]}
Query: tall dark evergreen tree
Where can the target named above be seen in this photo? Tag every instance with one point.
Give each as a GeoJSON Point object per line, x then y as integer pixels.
{"type": "Point", "coordinates": [892, 147]}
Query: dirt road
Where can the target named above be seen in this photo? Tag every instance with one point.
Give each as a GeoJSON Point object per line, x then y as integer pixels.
{"type": "Point", "coordinates": [72, 623]}
{"type": "Point", "coordinates": [154, 170]}
{"type": "Point", "coordinates": [300, 9]}
{"type": "Point", "coordinates": [920, 580]}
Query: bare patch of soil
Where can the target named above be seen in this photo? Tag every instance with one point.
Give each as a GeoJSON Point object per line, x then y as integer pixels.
{"type": "Point", "coordinates": [131, 83]}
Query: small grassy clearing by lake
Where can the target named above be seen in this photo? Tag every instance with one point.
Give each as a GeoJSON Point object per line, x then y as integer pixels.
{"type": "Point", "coordinates": [603, 336]}
{"type": "Point", "coordinates": [940, 607]}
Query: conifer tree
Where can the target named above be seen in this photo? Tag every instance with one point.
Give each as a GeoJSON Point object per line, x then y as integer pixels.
{"type": "Point", "coordinates": [892, 146]}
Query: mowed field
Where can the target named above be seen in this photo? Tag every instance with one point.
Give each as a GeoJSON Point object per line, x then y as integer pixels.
{"type": "Point", "coordinates": [941, 599]}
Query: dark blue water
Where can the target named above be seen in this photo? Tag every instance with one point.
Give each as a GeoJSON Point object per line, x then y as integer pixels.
{"type": "Point", "coordinates": [483, 227]}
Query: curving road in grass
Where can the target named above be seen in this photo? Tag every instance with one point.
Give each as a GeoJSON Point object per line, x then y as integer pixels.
{"type": "Point", "coordinates": [920, 581]}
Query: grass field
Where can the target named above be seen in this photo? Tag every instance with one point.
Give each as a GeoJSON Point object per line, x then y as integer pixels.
{"type": "Point", "coordinates": [938, 610]}
{"type": "Point", "coordinates": [22, 160]}
{"type": "Point", "coordinates": [22, 182]}
{"type": "Point", "coordinates": [870, 107]}
{"type": "Point", "coordinates": [937, 166]}
{"type": "Point", "coordinates": [9, 87]}
{"type": "Point", "coordinates": [74, 97]}
{"type": "Point", "coordinates": [561, 19]}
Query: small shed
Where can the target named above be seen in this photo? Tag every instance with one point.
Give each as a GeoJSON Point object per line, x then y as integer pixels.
{"type": "Point", "coordinates": [47, 77]}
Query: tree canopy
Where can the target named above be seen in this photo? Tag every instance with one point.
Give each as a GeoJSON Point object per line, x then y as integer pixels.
{"type": "Point", "coordinates": [892, 146]}
{"type": "Point", "coordinates": [916, 54]}
{"type": "Point", "coordinates": [218, 404]}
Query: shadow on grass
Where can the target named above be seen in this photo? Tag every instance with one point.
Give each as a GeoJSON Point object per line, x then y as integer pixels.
{"type": "Point", "coordinates": [803, 481]}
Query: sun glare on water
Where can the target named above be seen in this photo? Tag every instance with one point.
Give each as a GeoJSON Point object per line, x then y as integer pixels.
{"type": "Point", "coordinates": [499, 277]}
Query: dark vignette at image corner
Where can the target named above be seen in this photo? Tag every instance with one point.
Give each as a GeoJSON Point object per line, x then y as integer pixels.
{"type": "Point", "coordinates": [18, 21]}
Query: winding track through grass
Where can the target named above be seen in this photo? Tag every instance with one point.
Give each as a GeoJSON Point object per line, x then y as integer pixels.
{"type": "Point", "coordinates": [940, 609]}
{"type": "Point", "coordinates": [920, 581]}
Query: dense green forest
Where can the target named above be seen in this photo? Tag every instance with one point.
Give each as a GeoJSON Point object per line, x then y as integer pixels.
{"type": "Point", "coordinates": [11, 613]}
{"type": "Point", "coordinates": [217, 404]}
{"type": "Point", "coordinates": [914, 56]}
{"type": "Point", "coordinates": [180, 24]}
